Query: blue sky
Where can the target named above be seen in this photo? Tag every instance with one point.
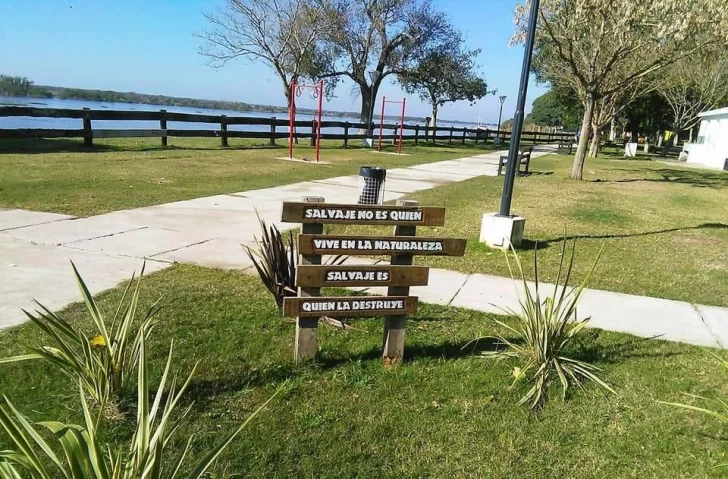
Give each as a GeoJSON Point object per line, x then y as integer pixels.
{"type": "Point", "coordinates": [148, 46]}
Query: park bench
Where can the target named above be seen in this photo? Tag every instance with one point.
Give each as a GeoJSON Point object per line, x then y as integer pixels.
{"type": "Point", "coordinates": [565, 147]}
{"type": "Point", "coordinates": [524, 159]}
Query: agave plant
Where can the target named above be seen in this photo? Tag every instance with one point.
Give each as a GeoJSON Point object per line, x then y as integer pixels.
{"type": "Point", "coordinates": [542, 331]}
{"type": "Point", "coordinates": [148, 454]}
{"type": "Point", "coordinates": [104, 363]}
{"type": "Point", "coordinates": [275, 259]}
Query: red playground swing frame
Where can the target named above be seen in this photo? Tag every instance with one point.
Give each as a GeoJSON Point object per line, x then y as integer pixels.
{"type": "Point", "coordinates": [401, 123]}
{"type": "Point", "coordinates": [296, 91]}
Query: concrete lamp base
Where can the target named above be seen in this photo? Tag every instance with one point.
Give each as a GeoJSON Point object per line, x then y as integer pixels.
{"type": "Point", "coordinates": [368, 142]}
{"type": "Point", "coordinates": [502, 231]}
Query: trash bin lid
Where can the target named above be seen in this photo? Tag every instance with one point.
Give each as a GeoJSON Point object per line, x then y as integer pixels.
{"type": "Point", "coordinates": [373, 172]}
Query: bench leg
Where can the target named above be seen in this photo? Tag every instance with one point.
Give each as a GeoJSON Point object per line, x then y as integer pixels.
{"type": "Point", "coordinates": [500, 167]}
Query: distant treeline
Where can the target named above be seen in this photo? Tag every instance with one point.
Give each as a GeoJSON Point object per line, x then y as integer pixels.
{"type": "Point", "coordinates": [22, 87]}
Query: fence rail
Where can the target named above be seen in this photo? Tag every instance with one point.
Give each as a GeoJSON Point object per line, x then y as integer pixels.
{"type": "Point", "coordinates": [351, 130]}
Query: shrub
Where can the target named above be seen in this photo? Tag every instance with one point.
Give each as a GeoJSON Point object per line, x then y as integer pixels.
{"type": "Point", "coordinates": [542, 331]}
{"type": "Point", "coordinates": [103, 364]}
{"type": "Point", "coordinates": [275, 259]}
{"type": "Point", "coordinates": [147, 455]}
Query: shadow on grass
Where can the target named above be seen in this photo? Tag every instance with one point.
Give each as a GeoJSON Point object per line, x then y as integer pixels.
{"type": "Point", "coordinates": [547, 243]}
{"type": "Point", "coordinates": [699, 179]}
{"type": "Point", "coordinates": [591, 350]}
{"type": "Point", "coordinates": [45, 145]}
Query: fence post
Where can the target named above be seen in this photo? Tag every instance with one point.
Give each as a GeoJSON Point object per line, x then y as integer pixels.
{"type": "Point", "coordinates": [346, 134]}
{"type": "Point", "coordinates": [477, 135]}
{"type": "Point", "coordinates": [223, 131]}
{"type": "Point", "coordinates": [88, 138]}
{"type": "Point", "coordinates": [452, 130]}
{"type": "Point", "coordinates": [417, 134]}
{"type": "Point", "coordinates": [313, 132]}
{"type": "Point", "coordinates": [273, 131]}
{"type": "Point", "coordinates": [163, 125]}
{"type": "Point", "coordinates": [394, 326]}
{"type": "Point", "coordinates": [465, 132]}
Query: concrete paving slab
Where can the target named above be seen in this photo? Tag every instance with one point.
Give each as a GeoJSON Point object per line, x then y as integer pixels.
{"type": "Point", "coordinates": [142, 243]}
{"type": "Point", "coordinates": [216, 253]}
{"type": "Point", "coordinates": [44, 272]}
{"type": "Point", "coordinates": [458, 169]}
{"type": "Point", "coordinates": [68, 231]}
{"type": "Point", "coordinates": [296, 192]}
{"type": "Point", "coordinates": [10, 219]}
{"type": "Point", "coordinates": [487, 293]}
{"type": "Point", "coordinates": [442, 287]}
{"type": "Point", "coordinates": [397, 185]}
{"type": "Point", "coordinates": [716, 320]}
{"type": "Point", "coordinates": [646, 317]}
{"type": "Point", "coordinates": [424, 175]}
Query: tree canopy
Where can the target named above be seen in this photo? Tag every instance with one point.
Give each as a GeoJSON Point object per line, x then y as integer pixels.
{"type": "Point", "coordinates": [445, 73]}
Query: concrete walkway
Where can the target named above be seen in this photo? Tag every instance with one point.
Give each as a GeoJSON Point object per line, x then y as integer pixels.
{"type": "Point", "coordinates": [35, 249]}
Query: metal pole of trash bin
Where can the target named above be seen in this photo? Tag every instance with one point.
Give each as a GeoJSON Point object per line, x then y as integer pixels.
{"type": "Point", "coordinates": [372, 192]}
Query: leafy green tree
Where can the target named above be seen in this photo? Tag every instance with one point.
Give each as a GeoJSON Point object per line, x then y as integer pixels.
{"type": "Point", "coordinates": [445, 73]}
{"type": "Point", "coordinates": [15, 85]}
{"type": "Point", "coordinates": [557, 107]}
{"type": "Point", "coordinates": [606, 47]}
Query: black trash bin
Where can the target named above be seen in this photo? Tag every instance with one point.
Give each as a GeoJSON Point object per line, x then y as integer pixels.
{"type": "Point", "coordinates": [373, 178]}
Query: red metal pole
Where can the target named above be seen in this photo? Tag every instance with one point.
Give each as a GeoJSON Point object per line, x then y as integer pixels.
{"type": "Point", "coordinates": [401, 128]}
{"type": "Point", "coordinates": [381, 124]}
{"type": "Point", "coordinates": [318, 124]}
{"type": "Point", "coordinates": [291, 118]}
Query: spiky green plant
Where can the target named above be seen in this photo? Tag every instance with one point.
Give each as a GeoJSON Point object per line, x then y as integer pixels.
{"type": "Point", "coordinates": [719, 412]}
{"type": "Point", "coordinates": [542, 331]}
{"type": "Point", "coordinates": [104, 362]}
{"type": "Point", "coordinates": [275, 259]}
{"type": "Point", "coordinates": [148, 455]}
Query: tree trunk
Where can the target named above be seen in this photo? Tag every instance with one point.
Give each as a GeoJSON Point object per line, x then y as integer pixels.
{"type": "Point", "coordinates": [434, 115]}
{"type": "Point", "coordinates": [577, 170]}
{"type": "Point", "coordinates": [595, 143]}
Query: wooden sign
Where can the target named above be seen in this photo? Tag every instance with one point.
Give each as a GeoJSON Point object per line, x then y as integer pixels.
{"type": "Point", "coordinates": [347, 306]}
{"type": "Point", "coordinates": [361, 275]}
{"type": "Point", "coordinates": [363, 214]}
{"type": "Point", "coordinates": [372, 245]}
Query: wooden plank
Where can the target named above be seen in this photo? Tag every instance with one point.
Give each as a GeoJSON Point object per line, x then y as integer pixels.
{"type": "Point", "coordinates": [361, 275]}
{"type": "Point", "coordinates": [307, 327]}
{"type": "Point", "coordinates": [383, 245]}
{"type": "Point", "coordinates": [40, 133]}
{"type": "Point", "coordinates": [395, 325]}
{"type": "Point", "coordinates": [349, 306]}
{"type": "Point", "coordinates": [137, 133]}
{"type": "Point", "coordinates": [363, 214]}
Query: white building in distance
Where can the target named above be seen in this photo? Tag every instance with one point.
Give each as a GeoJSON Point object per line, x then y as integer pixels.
{"type": "Point", "coordinates": [711, 147]}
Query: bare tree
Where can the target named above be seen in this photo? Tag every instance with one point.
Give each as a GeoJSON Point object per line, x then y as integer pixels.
{"type": "Point", "coordinates": [603, 47]}
{"type": "Point", "coordinates": [445, 73]}
{"type": "Point", "coordinates": [378, 36]}
{"type": "Point", "coordinates": [693, 85]}
{"type": "Point", "coordinates": [280, 33]}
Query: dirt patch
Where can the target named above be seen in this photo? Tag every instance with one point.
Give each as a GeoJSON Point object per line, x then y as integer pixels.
{"type": "Point", "coordinates": [692, 239]}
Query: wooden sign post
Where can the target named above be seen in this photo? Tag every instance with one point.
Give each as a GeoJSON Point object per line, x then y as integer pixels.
{"type": "Point", "coordinates": [398, 276]}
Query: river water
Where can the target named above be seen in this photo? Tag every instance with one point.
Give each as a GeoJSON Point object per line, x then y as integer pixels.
{"type": "Point", "coordinates": [71, 123]}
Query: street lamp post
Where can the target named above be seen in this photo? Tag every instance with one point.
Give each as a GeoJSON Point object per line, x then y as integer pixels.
{"type": "Point", "coordinates": [373, 77]}
{"type": "Point", "coordinates": [502, 230]}
{"type": "Point", "coordinates": [512, 167]}
{"type": "Point", "coordinates": [502, 99]}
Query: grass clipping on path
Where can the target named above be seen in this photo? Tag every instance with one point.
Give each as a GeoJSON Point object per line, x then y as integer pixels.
{"type": "Point", "coordinates": [543, 330]}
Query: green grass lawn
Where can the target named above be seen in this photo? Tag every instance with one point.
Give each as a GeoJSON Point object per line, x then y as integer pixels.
{"type": "Point", "coordinates": [443, 413]}
{"type": "Point", "coordinates": [64, 177]}
{"type": "Point", "coordinates": [664, 228]}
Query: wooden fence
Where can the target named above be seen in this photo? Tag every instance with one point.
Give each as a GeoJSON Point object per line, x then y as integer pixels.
{"type": "Point", "coordinates": [277, 128]}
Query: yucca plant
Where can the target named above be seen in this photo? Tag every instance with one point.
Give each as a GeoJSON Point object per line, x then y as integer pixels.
{"type": "Point", "coordinates": [148, 455]}
{"type": "Point", "coordinates": [275, 259]}
{"type": "Point", "coordinates": [104, 362]}
{"type": "Point", "coordinates": [542, 331]}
